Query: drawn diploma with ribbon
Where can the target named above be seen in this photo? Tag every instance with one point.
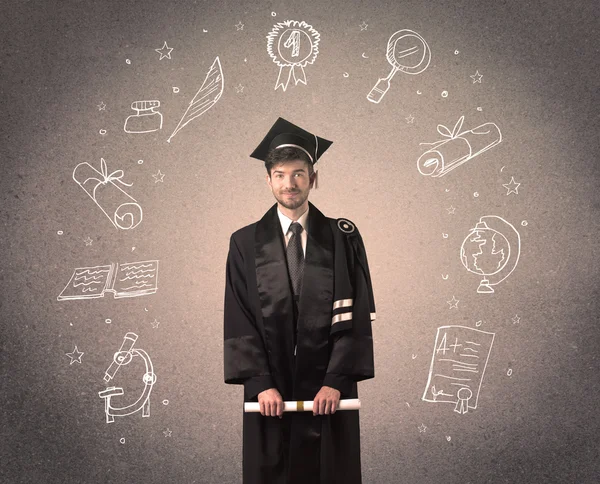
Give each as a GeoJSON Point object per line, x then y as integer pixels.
{"type": "Point", "coordinates": [292, 45]}
{"type": "Point", "coordinates": [457, 147]}
{"type": "Point", "coordinates": [460, 356]}
{"type": "Point", "coordinates": [105, 189]}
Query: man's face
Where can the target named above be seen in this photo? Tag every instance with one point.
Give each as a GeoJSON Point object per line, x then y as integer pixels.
{"type": "Point", "coordinates": [290, 183]}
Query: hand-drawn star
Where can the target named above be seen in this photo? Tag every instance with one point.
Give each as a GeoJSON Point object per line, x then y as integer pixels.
{"type": "Point", "coordinates": [155, 323]}
{"type": "Point", "coordinates": [451, 209]}
{"type": "Point", "coordinates": [239, 26]}
{"type": "Point", "coordinates": [410, 119]}
{"type": "Point", "coordinates": [159, 177]}
{"type": "Point", "coordinates": [239, 88]}
{"type": "Point", "coordinates": [75, 356]}
{"type": "Point", "coordinates": [88, 241]}
{"type": "Point", "coordinates": [453, 303]}
{"type": "Point", "coordinates": [101, 106]}
{"type": "Point", "coordinates": [167, 432]}
{"type": "Point", "coordinates": [363, 26]}
{"type": "Point", "coordinates": [164, 51]}
{"type": "Point", "coordinates": [512, 186]}
{"type": "Point", "coordinates": [422, 428]}
{"type": "Point", "coordinates": [476, 77]}
{"type": "Point", "coordinates": [516, 319]}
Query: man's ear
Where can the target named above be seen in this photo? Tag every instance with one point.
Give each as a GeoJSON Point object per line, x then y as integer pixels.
{"type": "Point", "coordinates": [268, 178]}
{"type": "Point", "coordinates": [314, 179]}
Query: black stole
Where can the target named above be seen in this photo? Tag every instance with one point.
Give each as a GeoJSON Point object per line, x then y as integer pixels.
{"type": "Point", "coordinates": [298, 378]}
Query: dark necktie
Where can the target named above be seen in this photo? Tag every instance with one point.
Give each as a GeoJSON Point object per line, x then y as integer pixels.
{"type": "Point", "coordinates": [295, 257]}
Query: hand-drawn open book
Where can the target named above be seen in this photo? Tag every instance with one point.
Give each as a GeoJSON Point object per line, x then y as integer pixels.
{"type": "Point", "coordinates": [123, 280]}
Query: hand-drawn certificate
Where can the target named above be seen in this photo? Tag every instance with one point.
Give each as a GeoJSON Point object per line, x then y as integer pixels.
{"type": "Point", "coordinates": [459, 359]}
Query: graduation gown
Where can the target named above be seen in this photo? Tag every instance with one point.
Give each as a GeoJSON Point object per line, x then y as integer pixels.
{"type": "Point", "coordinates": [332, 346]}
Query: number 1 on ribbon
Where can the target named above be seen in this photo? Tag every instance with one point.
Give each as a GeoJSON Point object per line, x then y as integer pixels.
{"type": "Point", "coordinates": [293, 41]}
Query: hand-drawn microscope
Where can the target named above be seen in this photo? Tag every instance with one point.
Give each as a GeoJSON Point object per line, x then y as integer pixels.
{"type": "Point", "coordinates": [123, 357]}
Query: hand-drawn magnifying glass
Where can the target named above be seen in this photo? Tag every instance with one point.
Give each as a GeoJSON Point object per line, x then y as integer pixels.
{"type": "Point", "coordinates": [408, 52]}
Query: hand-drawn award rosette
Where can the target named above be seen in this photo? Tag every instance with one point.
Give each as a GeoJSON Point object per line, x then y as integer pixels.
{"type": "Point", "coordinates": [292, 45]}
{"type": "Point", "coordinates": [121, 208]}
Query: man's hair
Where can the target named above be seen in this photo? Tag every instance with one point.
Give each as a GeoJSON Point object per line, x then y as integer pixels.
{"type": "Point", "coordinates": [289, 153]}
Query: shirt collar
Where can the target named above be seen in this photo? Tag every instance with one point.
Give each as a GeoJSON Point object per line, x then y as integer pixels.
{"type": "Point", "coordinates": [286, 221]}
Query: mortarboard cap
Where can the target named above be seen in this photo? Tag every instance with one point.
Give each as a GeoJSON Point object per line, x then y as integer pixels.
{"type": "Point", "coordinates": [284, 134]}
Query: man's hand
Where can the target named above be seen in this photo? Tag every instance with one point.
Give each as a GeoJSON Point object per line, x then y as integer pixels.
{"type": "Point", "coordinates": [271, 403]}
{"type": "Point", "coordinates": [326, 401]}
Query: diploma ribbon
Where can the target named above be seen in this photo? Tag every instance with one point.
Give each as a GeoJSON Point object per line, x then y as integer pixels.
{"type": "Point", "coordinates": [464, 395]}
{"type": "Point", "coordinates": [115, 176]}
{"type": "Point", "coordinates": [445, 132]}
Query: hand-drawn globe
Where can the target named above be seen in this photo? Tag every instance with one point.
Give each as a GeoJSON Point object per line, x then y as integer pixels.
{"type": "Point", "coordinates": [487, 252]}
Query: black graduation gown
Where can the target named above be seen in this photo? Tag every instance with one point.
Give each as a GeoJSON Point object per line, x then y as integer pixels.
{"type": "Point", "coordinates": [259, 347]}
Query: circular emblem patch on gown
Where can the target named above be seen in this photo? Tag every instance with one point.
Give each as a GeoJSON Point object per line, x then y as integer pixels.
{"type": "Point", "coordinates": [346, 226]}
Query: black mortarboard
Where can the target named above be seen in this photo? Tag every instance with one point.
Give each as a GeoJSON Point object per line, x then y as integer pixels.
{"type": "Point", "coordinates": [285, 134]}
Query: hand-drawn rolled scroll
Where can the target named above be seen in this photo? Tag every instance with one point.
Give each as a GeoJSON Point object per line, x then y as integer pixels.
{"type": "Point", "coordinates": [458, 147]}
{"type": "Point", "coordinates": [292, 45]}
{"type": "Point", "coordinates": [120, 208]}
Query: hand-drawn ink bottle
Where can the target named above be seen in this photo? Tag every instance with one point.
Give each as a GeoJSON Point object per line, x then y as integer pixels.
{"type": "Point", "coordinates": [146, 119]}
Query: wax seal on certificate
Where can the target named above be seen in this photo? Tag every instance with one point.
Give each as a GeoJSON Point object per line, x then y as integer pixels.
{"type": "Point", "coordinates": [292, 45]}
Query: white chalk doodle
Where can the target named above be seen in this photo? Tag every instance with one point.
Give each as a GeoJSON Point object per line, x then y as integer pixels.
{"type": "Point", "coordinates": [164, 51]}
{"type": "Point", "coordinates": [445, 277]}
{"type": "Point", "coordinates": [146, 118]}
{"type": "Point", "coordinates": [60, 232]}
{"type": "Point", "coordinates": [422, 428]}
{"type": "Point", "coordinates": [460, 357]}
{"type": "Point", "coordinates": [206, 97]}
{"type": "Point", "coordinates": [407, 52]}
{"type": "Point", "coordinates": [239, 26]}
{"type": "Point", "coordinates": [491, 250]}
{"type": "Point", "coordinates": [122, 440]}
{"type": "Point", "coordinates": [292, 45]}
{"type": "Point", "coordinates": [524, 223]}
{"type": "Point", "coordinates": [346, 75]}
{"type": "Point", "coordinates": [123, 357]}
{"type": "Point", "coordinates": [512, 186]}
{"type": "Point", "coordinates": [364, 56]}
{"type": "Point", "coordinates": [516, 319]}
{"type": "Point", "coordinates": [475, 194]}
{"type": "Point", "coordinates": [167, 432]}
{"type": "Point", "coordinates": [239, 89]}
{"type": "Point", "coordinates": [75, 356]}
{"type": "Point", "coordinates": [159, 177]}
{"type": "Point", "coordinates": [457, 147]}
{"type": "Point", "coordinates": [453, 303]}
{"type": "Point", "coordinates": [155, 323]}
{"type": "Point", "coordinates": [88, 241]}
{"type": "Point", "coordinates": [445, 235]}
{"type": "Point", "coordinates": [108, 320]}
{"type": "Point", "coordinates": [101, 106]}
{"type": "Point", "coordinates": [444, 93]}
{"type": "Point", "coordinates": [363, 26]}
{"type": "Point", "coordinates": [451, 209]}
{"type": "Point", "coordinates": [102, 132]}
{"type": "Point", "coordinates": [476, 77]}
{"type": "Point", "coordinates": [128, 61]}
{"type": "Point", "coordinates": [105, 190]}
{"type": "Point", "coordinates": [410, 119]}
{"type": "Point", "coordinates": [123, 280]}
{"type": "Point", "coordinates": [165, 402]}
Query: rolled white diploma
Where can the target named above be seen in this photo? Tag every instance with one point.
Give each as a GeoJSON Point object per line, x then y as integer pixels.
{"type": "Point", "coordinates": [305, 406]}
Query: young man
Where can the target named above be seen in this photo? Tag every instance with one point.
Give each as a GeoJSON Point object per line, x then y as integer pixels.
{"type": "Point", "coordinates": [297, 324]}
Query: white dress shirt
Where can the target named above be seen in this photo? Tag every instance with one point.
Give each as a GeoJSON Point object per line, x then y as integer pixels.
{"type": "Point", "coordinates": [285, 226]}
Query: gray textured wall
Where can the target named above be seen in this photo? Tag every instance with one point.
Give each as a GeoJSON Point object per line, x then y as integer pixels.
{"type": "Point", "coordinates": [536, 417]}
